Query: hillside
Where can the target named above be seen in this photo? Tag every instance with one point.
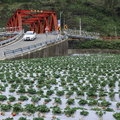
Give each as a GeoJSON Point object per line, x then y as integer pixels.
{"type": "Point", "coordinates": [96, 16]}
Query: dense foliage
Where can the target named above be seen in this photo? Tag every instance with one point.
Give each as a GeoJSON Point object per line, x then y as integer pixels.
{"type": "Point", "coordinates": [99, 16]}
{"type": "Point", "coordinates": [94, 44]}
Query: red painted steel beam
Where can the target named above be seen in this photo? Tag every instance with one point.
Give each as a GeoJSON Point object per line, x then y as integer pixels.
{"type": "Point", "coordinates": [37, 21]}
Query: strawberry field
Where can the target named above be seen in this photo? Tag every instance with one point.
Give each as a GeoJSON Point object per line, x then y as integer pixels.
{"type": "Point", "coordinates": [85, 87]}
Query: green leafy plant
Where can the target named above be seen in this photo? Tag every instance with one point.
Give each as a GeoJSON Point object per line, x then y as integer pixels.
{"type": "Point", "coordinates": [17, 108]}
{"type": "Point", "coordinates": [116, 116]}
{"type": "Point", "coordinates": [23, 98]}
{"type": "Point", "coordinates": [22, 118]}
{"type": "Point", "coordinates": [5, 107]}
{"type": "Point", "coordinates": [42, 108]}
{"type": "Point", "coordinates": [69, 111]}
{"type": "Point", "coordinates": [35, 99]}
{"type": "Point", "coordinates": [56, 110]}
{"type": "Point", "coordinates": [84, 113]}
{"type": "Point", "coordinates": [30, 108]}
{"type": "Point", "coordinates": [70, 101]}
{"type": "Point", "coordinates": [82, 102]}
{"type": "Point", "coordinates": [3, 98]}
{"type": "Point", "coordinates": [12, 98]}
{"type": "Point", "coordinates": [58, 100]}
{"type": "Point", "coordinates": [38, 118]}
{"type": "Point", "coordinates": [60, 93]}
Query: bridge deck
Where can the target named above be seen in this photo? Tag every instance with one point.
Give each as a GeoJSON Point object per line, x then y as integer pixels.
{"type": "Point", "coordinates": [20, 44]}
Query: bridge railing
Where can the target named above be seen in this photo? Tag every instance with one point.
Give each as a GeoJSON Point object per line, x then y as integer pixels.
{"type": "Point", "coordinates": [13, 53]}
{"type": "Point", "coordinates": [11, 39]}
{"type": "Point", "coordinates": [82, 34]}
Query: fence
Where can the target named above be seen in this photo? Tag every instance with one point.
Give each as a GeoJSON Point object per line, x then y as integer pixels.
{"type": "Point", "coordinates": [11, 39]}
{"type": "Point", "coordinates": [82, 34]}
{"type": "Point", "coordinates": [13, 53]}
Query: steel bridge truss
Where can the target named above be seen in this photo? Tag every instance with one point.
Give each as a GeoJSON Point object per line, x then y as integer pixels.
{"type": "Point", "coordinates": [35, 19]}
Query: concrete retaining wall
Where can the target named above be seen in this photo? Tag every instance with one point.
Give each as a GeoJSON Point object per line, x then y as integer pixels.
{"type": "Point", "coordinates": [56, 49]}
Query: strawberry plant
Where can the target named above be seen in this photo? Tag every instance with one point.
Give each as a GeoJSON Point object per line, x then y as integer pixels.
{"type": "Point", "coordinates": [30, 108]}
{"type": "Point", "coordinates": [42, 108]}
{"type": "Point", "coordinates": [118, 105]}
{"type": "Point", "coordinates": [22, 118]}
{"type": "Point", "coordinates": [35, 99]}
{"type": "Point", "coordinates": [38, 118]}
{"type": "Point", "coordinates": [70, 101]}
{"type": "Point", "coordinates": [58, 100]}
{"type": "Point", "coordinates": [31, 91]}
{"type": "Point", "coordinates": [5, 107]}
{"type": "Point", "coordinates": [84, 113]}
{"type": "Point", "coordinates": [3, 98]}
{"type": "Point", "coordinates": [60, 93]}
{"type": "Point", "coordinates": [82, 102]}
{"type": "Point", "coordinates": [50, 92]}
{"type": "Point", "coordinates": [47, 100]}
{"type": "Point", "coordinates": [9, 119]}
{"type": "Point", "coordinates": [56, 110]}
{"type": "Point", "coordinates": [69, 111]}
{"type": "Point", "coordinates": [17, 108]}
{"type": "Point", "coordinates": [116, 116]}
{"type": "Point", "coordinates": [23, 98]}
{"type": "Point", "coordinates": [105, 103]}
{"type": "Point", "coordinates": [12, 98]}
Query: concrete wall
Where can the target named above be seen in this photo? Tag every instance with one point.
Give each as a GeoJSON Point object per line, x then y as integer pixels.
{"type": "Point", "coordinates": [56, 49]}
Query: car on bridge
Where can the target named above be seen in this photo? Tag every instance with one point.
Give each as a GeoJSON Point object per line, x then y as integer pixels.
{"type": "Point", "coordinates": [29, 35]}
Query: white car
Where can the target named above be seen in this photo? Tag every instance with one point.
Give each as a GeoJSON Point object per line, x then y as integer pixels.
{"type": "Point", "coordinates": [29, 35]}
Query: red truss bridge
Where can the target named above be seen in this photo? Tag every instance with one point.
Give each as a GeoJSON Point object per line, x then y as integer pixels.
{"type": "Point", "coordinates": [36, 20]}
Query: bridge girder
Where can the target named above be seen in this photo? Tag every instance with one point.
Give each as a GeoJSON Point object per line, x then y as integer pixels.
{"type": "Point", "coordinates": [37, 20]}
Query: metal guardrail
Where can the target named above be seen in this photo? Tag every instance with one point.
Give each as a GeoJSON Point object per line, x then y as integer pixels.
{"type": "Point", "coordinates": [6, 34]}
{"type": "Point", "coordinates": [13, 53]}
{"type": "Point", "coordinates": [83, 34]}
{"type": "Point", "coordinates": [11, 39]}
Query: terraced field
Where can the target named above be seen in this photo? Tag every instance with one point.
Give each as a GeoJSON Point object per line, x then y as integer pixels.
{"type": "Point", "coordinates": [85, 87]}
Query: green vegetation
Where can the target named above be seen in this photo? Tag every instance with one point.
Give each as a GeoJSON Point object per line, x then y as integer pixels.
{"type": "Point", "coordinates": [98, 16]}
{"type": "Point", "coordinates": [80, 85]}
{"type": "Point", "coordinates": [94, 44]}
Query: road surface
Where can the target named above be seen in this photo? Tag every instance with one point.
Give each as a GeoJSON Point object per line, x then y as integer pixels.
{"type": "Point", "coordinates": [20, 43]}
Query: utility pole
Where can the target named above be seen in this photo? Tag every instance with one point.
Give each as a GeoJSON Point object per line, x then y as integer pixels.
{"type": "Point", "coordinates": [80, 27]}
{"type": "Point", "coordinates": [60, 20]}
{"type": "Point", "coordinates": [115, 32]}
